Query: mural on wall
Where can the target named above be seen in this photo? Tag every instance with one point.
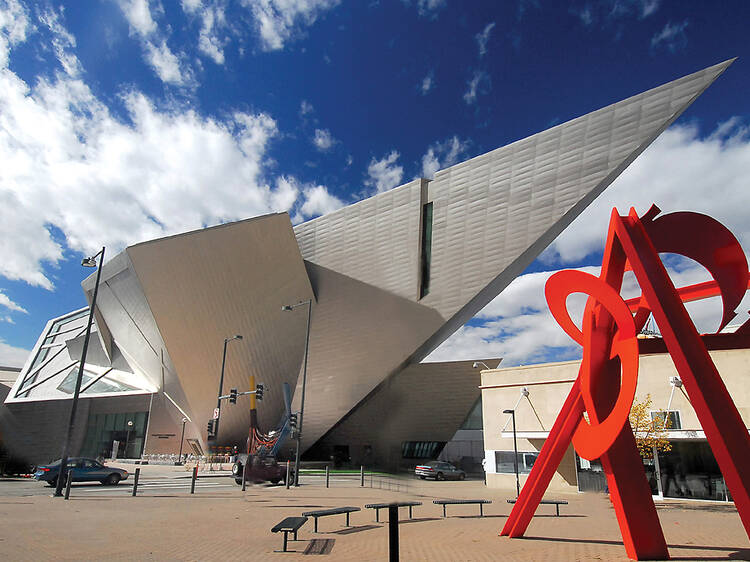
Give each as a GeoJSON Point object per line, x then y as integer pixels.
{"type": "Point", "coordinates": [595, 413]}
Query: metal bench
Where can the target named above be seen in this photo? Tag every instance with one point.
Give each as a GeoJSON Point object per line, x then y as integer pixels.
{"type": "Point", "coordinates": [452, 502]}
{"type": "Point", "coordinates": [378, 506]}
{"type": "Point", "coordinates": [289, 525]}
{"type": "Point", "coordinates": [333, 511]}
{"type": "Point", "coordinates": [556, 503]}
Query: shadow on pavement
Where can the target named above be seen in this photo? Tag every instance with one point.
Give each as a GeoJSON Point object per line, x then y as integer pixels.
{"type": "Point", "coordinates": [356, 529]}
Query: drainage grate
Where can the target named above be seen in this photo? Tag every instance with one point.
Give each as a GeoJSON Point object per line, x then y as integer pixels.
{"type": "Point", "coordinates": [320, 546]}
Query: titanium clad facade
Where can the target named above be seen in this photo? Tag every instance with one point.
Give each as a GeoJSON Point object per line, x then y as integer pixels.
{"type": "Point", "coordinates": [390, 278]}
{"type": "Point", "coordinates": [211, 284]}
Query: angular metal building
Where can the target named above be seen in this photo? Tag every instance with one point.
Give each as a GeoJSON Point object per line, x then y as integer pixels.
{"type": "Point", "coordinates": [390, 278]}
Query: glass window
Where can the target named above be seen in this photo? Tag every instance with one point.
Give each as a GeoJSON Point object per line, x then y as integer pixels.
{"type": "Point", "coordinates": [426, 254]}
{"type": "Point", "coordinates": [672, 418]}
{"type": "Point", "coordinates": [504, 462]}
{"type": "Point", "coordinates": [474, 419]}
{"type": "Point", "coordinates": [421, 449]}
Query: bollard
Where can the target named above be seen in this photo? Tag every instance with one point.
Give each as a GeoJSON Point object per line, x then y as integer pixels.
{"type": "Point", "coordinates": [287, 475]}
{"type": "Point", "coordinates": [195, 476]}
{"type": "Point", "coordinates": [393, 533]}
{"type": "Point", "coordinates": [362, 476]}
{"type": "Point", "coordinates": [67, 485]}
{"type": "Point", "coordinates": [244, 473]}
{"type": "Point", "coordinates": [328, 474]}
{"type": "Point", "coordinates": [135, 481]}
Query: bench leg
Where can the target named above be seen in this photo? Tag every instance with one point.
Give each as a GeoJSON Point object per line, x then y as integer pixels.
{"type": "Point", "coordinates": [347, 518]}
{"type": "Point", "coordinates": [286, 536]}
{"type": "Point", "coordinates": [316, 524]}
{"type": "Point", "coordinates": [410, 517]}
{"type": "Point", "coordinates": [377, 515]}
{"type": "Point", "coordinates": [295, 534]}
{"type": "Point", "coordinates": [557, 508]}
{"type": "Point", "coordinates": [443, 510]}
{"type": "Point", "coordinates": [481, 511]}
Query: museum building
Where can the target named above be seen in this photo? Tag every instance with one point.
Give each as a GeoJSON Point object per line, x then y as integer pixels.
{"type": "Point", "coordinates": [388, 279]}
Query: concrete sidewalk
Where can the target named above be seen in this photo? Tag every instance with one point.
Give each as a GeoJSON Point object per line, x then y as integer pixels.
{"type": "Point", "coordinates": [233, 525]}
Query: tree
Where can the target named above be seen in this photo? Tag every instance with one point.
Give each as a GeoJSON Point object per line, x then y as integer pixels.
{"type": "Point", "coordinates": [650, 430]}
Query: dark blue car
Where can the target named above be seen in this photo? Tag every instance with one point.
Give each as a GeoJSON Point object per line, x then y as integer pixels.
{"type": "Point", "coordinates": [83, 470]}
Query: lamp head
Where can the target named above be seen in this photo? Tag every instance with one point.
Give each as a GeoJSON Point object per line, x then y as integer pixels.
{"type": "Point", "coordinates": [508, 411]}
{"type": "Point", "coordinates": [475, 365]}
{"type": "Point", "coordinates": [286, 307]}
{"type": "Point", "coordinates": [88, 262]}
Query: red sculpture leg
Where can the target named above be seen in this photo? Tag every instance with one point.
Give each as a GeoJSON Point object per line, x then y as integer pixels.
{"type": "Point", "coordinates": [546, 464]}
{"type": "Point", "coordinates": [725, 430]}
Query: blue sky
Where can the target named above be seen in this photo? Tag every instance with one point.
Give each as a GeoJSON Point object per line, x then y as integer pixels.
{"type": "Point", "coordinates": [125, 120]}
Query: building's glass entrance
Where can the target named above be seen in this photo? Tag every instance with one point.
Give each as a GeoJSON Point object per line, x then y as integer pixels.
{"type": "Point", "coordinates": [123, 433]}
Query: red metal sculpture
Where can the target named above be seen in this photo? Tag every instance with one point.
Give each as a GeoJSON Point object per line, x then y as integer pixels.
{"type": "Point", "coordinates": [607, 378]}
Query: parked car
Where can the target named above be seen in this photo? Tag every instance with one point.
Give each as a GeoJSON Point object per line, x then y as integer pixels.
{"type": "Point", "coordinates": [439, 471]}
{"type": "Point", "coordinates": [260, 469]}
{"type": "Point", "coordinates": [83, 470]}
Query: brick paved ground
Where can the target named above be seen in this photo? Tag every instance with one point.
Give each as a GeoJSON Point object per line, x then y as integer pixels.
{"type": "Point", "coordinates": [227, 524]}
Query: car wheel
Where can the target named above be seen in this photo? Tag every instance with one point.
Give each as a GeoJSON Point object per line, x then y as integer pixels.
{"type": "Point", "coordinates": [52, 483]}
{"type": "Point", "coordinates": [462, 476]}
{"type": "Point", "coordinates": [238, 481]}
{"type": "Point", "coordinates": [112, 480]}
{"type": "Point", "coordinates": [237, 469]}
{"type": "Point", "coordinates": [275, 481]}
{"type": "Point", "coordinates": [422, 477]}
{"type": "Point", "coordinates": [439, 476]}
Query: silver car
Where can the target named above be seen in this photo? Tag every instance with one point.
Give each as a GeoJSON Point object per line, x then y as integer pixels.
{"type": "Point", "coordinates": [439, 471]}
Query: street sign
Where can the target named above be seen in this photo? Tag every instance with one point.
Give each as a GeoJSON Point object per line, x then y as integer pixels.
{"type": "Point", "coordinates": [216, 413]}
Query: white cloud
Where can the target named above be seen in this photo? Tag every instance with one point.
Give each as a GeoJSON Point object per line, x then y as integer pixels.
{"type": "Point", "coordinates": [483, 37]}
{"type": "Point", "coordinates": [164, 62]}
{"type": "Point", "coordinates": [11, 356]}
{"type": "Point", "coordinates": [649, 7]}
{"type": "Point", "coordinates": [102, 181]}
{"type": "Point", "coordinates": [213, 21]}
{"type": "Point", "coordinates": [680, 171]}
{"type": "Point", "coordinates": [167, 66]}
{"type": "Point", "coordinates": [472, 86]}
{"type": "Point", "coordinates": [427, 83]}
{"type": "Point", "coordinates": [428, 8]}
{"type": "Point", "coordinates": [443, 154]}
{"type": "Point", "coordinates": [10, 305]}
{"type": "Point", "coordinates": [384, 174]}
{"type": "Point", "coordinates": [138, 14]}
{"type": "Point", "coordinates": [305, 107]}
{"type": "Point", "coordinates": [672, 36]}
{"type": "Point", "coordinates": [62, 41]}
{"type": "Point", "coordinates": [280, 21]}
{"type": "Point", "coordinates": [323, 140]}
{"type": "Point", "coordinates": [14, 22]}
{"type": "Point", "coordinates": [319, 202]}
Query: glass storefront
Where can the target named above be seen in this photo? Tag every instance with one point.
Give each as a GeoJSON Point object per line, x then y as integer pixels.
{"type": "Point", "coordinates": [688, 471]}
{"type": "Point", "coordinates": [128, 430]}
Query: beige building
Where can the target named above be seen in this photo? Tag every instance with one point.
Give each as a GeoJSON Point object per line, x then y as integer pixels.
{"type": "Point", "coordinates": [537, 392]}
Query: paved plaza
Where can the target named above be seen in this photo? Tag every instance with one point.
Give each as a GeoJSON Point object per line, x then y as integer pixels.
{"type": "Point", "coordinates": [220, 522]}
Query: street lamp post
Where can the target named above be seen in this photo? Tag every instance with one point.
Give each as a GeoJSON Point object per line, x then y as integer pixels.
{"type": "Point", "coordinates": [308, 302]}
{"type": "Point", "coordinates": [515, 450]}
{"type": "Point", "coordinates": [61, 477]}
{"type": "Point", "coordinates": [221, 381]}
{"type": "Point", "coordinates": [182, 439]}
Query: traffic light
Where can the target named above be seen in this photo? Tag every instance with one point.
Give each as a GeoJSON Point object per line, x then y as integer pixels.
{"type": "Point", "coordinates": [293, 421]}
{"type": "Point", "coordinates": [233, 396]}
{"type": "Point", "coordinates": [210, 429]}
{"type": "Point", "coordinates": [259, 391]}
